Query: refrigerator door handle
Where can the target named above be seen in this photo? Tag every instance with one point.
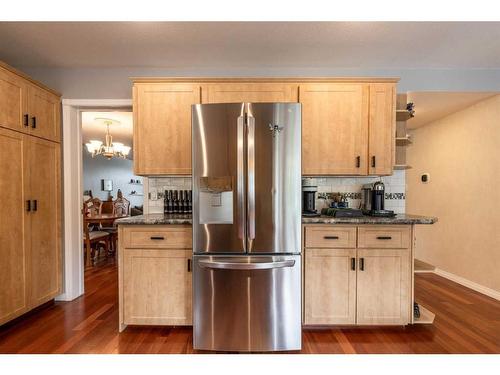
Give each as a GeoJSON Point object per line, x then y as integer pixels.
{"type": "Point", "coordinates": [251, 179]}
{"type": "Point", "coordinates": [246, 266]}
{"type": "Point", "coordinates": [240, 184]}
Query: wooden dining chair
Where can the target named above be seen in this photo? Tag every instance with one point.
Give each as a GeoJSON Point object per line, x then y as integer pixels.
{"type": "Point", "coordinates": [107, 207]}
{"type": "Point", "coordinates": [93, 239]}
{"type": "Point", "coordinates": [121, 205]}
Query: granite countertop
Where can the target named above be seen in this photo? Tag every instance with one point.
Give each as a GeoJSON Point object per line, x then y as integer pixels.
{"type": "Point", "coordinates": [398, 219]}
{"type": "Point", "coordinates": [158, 219]}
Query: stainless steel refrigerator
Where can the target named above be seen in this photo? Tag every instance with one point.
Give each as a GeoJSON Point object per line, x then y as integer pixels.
{"type": "Point", "coordinates": [246, 165]}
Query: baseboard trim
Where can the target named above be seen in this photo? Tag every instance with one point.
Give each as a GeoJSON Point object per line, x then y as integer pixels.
{"type": "Point", "coordinates": [469, 284]}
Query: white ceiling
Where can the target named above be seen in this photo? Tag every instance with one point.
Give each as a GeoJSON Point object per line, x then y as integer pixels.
{"type": "Point", "coordinates": [94, 130]}
{"type": "Point", "coordinates": [373, 45]}
{"type": "Point", "coordinates": [432, 106]}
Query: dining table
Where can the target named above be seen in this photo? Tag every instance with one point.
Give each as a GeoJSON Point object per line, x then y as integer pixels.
{"type": "Point", "coordinates": [105, 220]}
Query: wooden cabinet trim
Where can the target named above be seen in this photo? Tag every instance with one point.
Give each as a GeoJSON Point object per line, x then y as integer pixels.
{"type": "Point", "coordinates": [265, 79]}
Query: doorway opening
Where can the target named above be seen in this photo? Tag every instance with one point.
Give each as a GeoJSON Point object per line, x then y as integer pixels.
{"type": "Point", "coordinates": [110, 188]}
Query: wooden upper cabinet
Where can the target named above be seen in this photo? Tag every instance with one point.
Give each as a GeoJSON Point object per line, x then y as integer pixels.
{"type": "Point", "coordinates": [14, 230]}
{"type": "Point", "coordinates": [334, 128]}
{"type": "Point", "coordinates": [249, 92]}
{"type": "Point", "coordinates": [382, 129]}
{"type": "Point", "coordinates": [12, 99]}
{"type": "Point", "coordinates": [162, 127]}
{"type": "Point", "coordinates": [44, 114]}
{"type": "Point", "coordinates": [45, 235]}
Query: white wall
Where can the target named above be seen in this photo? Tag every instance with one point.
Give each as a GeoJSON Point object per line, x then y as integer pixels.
{"type": "Point", "coordinates": [105, 83]}
{"type": "Point", "coordinates": [120, 171]}
{"type": "Point", "coordinates": [461, 152]}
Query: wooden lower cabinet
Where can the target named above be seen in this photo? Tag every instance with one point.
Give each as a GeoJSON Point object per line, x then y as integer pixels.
{"type": "Point", "coordinates": [30, 233]}
{"type": "Point", "coordinates": [155, 282]}
{"type": "Point", "coordinates": [363, 286]}
{"type": "Point", "coordinates": [45, 266]}
{"type": "Point", "coordinates": [383, 290]}
{"type": "Point", "coordinates": [157, 287]}
{"type": "Point", "coordinates": [14, 227]}
{"type": "Point", "coordinates": [330, 286]}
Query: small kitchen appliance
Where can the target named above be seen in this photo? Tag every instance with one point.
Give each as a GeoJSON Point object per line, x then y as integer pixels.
{"type": "Point", "coordinates": [373, 200]}
{"type": "Point", "coordinates": [309, 189]}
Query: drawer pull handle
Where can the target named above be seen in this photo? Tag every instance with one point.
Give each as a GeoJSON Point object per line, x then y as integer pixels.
{"type": "Point", "coordinates": [361, 264]}
{"type": "Point", "coordinates": [384, 238]}
{"type": "Point", "coordinates": [353, 264]}
{"type": "Point", "coordinates": [157, 238]}
{"type": "Point", "coordinates": [26, 120]}
{"type": "Point", "coordinates": [189, 265]}
{"type": "Point", "coordinates": [331, 237]}
{"type": "Point", "coordinates": [33, 122]}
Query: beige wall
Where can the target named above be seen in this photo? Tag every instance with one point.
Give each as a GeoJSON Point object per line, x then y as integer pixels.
{"type": "Point", "coordinates": [462, 154]}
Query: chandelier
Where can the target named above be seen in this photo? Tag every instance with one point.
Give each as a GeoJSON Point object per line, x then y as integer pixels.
{"type": "Point", "coordinates": [110, 149]}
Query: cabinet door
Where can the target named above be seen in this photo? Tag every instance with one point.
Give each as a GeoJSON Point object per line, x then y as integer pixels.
{"type": "Point", "coordinates": [334, 129]}
{"type": "Point", "coordinates": [162, 128]}
{"type": "Point", "coordinates": [383, 293]}
{"type": "Point", "coordinates": [45, 235]}
{"type": "Point", "coordinates": [44, 114]}
{"type": "Point", "coordinates": [249, 92]}
{"type": "Point", "coordinates": [12, 91]}
{"type": "Point", "coordinates": [330, 286]}
{"type": "Point", "coordinates": [157, 286]}
{"type": "Point", "coordinates": [14, 230]}
{"type": "Point", "coordinates": [382, 129]}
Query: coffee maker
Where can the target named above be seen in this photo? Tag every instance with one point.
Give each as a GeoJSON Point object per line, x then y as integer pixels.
{"type": "Point", "coordinates": [309, 189]}
{"type": "Point", "coordinates": [373, 200]}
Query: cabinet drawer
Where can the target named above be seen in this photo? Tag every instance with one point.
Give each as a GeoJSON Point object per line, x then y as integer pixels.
{"type": "Point", "coordinates": [157, 236]}
{"type": "Point", "coordinates": [330, 237]}
{"type": "Point", "coordinates": [384, 237]}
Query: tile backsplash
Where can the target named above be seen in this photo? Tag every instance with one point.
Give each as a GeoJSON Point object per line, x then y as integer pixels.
{"type": "Point", "coordinates": [157, 187]}
{"type": "Point", "coordinates": [395, 189]}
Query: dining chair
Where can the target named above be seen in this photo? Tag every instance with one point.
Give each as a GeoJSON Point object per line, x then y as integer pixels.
{"type": "Point", "coordinates": [121, 207]}
{"type": "Point", "coordinates": [93, 238]}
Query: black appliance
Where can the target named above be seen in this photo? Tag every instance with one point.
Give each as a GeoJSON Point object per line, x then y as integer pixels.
{"type": "Point", "coordinates": [309, 190]}
{"type": "Point", "coordinates": [374, 199]}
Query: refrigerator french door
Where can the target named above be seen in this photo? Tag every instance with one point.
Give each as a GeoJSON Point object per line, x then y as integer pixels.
{"type": "Point", "coordinates": [246, 165]}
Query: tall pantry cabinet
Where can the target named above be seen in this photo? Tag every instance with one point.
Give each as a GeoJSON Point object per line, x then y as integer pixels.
{"type": "Point", "coordinates": [30, 218]}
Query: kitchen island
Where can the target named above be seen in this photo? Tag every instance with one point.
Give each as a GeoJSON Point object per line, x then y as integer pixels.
{"type": "Point", "coordinates": [356, 271]}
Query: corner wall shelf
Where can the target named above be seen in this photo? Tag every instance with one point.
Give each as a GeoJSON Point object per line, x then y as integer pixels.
{"type": "Point", "coordinates": [403, 141]}
{"type": "Point", "coordinates": [400, 167]}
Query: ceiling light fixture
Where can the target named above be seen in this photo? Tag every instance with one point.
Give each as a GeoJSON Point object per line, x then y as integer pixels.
{"type": "Point", "coordinates": [110, 149]}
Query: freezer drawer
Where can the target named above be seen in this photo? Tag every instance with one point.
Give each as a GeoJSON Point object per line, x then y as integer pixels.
{"type": "Point", "coordinates": [247, 303]}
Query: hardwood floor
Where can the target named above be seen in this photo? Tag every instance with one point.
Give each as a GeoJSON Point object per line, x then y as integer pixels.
{"type": "Point", "coordinates": [466, 322]}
